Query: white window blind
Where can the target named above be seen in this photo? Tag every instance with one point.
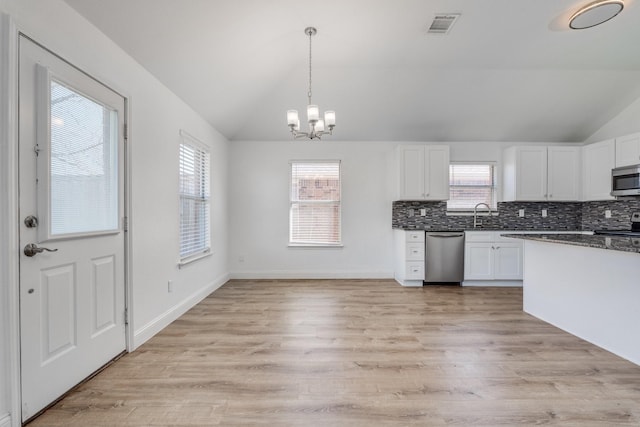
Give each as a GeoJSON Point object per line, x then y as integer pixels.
{"type": "Point", "coordinates": [83, 164]}
{"type": "Point", "coordinates": [194, 199]}
{"type": "Point", "coordinates": [470, 184]}
{"type": "Point", "coordinates": [314, 214]}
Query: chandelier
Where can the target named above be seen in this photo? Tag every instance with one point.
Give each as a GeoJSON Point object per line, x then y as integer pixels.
{"type": "Point", "coordinates": [316, 124]}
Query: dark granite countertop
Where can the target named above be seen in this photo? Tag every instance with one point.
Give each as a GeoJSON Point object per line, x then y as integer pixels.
{"type": "Point", "coordinates": [616, 243]}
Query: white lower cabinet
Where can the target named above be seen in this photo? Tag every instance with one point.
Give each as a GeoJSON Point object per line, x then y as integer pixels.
{"type": "Point", "coordinates": [490, 257]}
{"type": "Point", "coordinates": [409, 257]}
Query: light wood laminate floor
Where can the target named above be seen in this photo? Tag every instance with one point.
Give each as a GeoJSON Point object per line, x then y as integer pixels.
{"type": "Point", "coordinates": [351, 352]}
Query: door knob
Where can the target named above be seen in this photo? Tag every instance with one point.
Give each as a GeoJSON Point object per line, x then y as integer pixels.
{"type": "Point", "coordinates": [32, 249]}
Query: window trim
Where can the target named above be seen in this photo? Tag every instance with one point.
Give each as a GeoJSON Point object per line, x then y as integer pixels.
{"type": "Point", "coordinates": [463, 211]}
{"type": "Point", "coordinates": [189, 140]}
{"type": "Point", "coordinates": [338, 244]}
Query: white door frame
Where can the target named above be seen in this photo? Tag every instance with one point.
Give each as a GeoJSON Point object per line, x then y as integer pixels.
{"type": "Point", "coordinates": [9, 228]}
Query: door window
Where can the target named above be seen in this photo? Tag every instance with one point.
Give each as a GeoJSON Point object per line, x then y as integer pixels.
{"type": "Point", "coordinates": [79, 163]}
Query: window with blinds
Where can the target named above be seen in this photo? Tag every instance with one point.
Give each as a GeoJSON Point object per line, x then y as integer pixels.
{"type": "Point", "coordinates": [470, 184]}
{"type": "Point", "coordinates": [314, 214]}
{"type": "Point", "coordinates": [83, 168]}
{"type": "Point", "coordinates": [194, 199]}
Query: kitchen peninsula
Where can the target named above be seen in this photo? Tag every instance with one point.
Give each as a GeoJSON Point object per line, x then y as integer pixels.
{"type": "Point", "coordinates": [586, 285]}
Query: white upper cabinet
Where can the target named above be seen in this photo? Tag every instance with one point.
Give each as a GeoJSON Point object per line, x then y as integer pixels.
{"type": "Point", "coordinates": [423, 172]}
{"type": "Point", "coordinates": [628, 150]}
{"type": "Point", "coordinates": [563, 173]}
{"type": "Point", "coordinates": [540, 173]}
{"type": "Point", "coordinates": [597, 161]}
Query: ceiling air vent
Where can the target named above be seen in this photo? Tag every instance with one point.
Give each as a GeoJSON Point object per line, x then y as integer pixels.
{"type": "Point", "coordinates": [442, 23]}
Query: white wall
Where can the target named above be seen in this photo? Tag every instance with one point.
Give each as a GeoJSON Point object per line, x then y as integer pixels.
{"type": "Point", "coordinates": [625, 123]}
{"type": "Point", "coordinates": [259, 201]}
{"type": "Point", "coordinates": [156, 116]}
{"type": "Point", "coordinates": [8, 256]}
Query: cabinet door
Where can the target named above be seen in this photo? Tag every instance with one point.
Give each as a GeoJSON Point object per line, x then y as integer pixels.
{"type": "Point", "coordinates": [628, 150]}
{"type": "Point", "coordinates": [478, 261]}
{"type": "Point", "coordinates": [563, 173]}
{"type": "Point", "coordinates": [411, 172]}
{"type": "Point", "coordinates": [508, 261]}
{"type": "Point", "coordinates": [598, 160]}
{"type": "Point", "coordinates": [531, 173]}
{"type": "Point", "coordinates": [436, 160]}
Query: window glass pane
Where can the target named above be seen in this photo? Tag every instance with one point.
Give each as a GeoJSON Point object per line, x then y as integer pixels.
{"type": "Point", "coordinates": [315, 203]}
{"type": "Point", "coordinates": [83, 168]}
{"type": "Point", "coordinates": [194, 201]}
{"type": "Point", "coordinates": [470, 184]}
{"type": "Point", "coordinates": [315, 181]}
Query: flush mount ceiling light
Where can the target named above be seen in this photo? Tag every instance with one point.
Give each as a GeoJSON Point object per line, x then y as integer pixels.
{"type": "Point", "coordinates": [316, 124]}
{"type": "Point", "coordinates": [595, 14]}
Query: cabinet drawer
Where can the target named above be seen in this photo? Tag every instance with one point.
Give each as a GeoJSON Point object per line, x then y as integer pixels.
{"type": "Point", "coordinates": [415, 270]}
{"type": "Point", "coordinates": [479, 236]}
{"type": "Point", "coordinates": [415, 236]}
{"type": "Point", "coordinates": [415, 251]}
{"type": "Point", "coordinates": [499, 238]}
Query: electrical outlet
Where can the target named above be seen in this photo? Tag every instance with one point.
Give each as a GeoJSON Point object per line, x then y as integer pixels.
{"type": "Point", "coordinates": [607, 213]}
{"type": "Point", "coordinates": [544, 213]}
{"type": "Point", "coordinates": [170, 286]}
{"type": "Point", "coordinates": [423, 212]}
{"type": "Point", "coordinates": [521, 213]}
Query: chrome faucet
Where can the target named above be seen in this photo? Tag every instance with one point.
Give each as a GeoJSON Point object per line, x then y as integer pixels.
{"type": "Point", "coordinates": [475, 213]}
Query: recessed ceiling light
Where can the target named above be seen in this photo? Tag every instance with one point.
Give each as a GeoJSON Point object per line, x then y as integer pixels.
{"type": "Point", "coordinates": [595, 14]}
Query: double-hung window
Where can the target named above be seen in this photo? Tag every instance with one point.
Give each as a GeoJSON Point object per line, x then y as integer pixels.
{"type": "Point", "coordinates": [314, 208]}
{"type": "Point", "coordinates": [470, 184]}
{"type": "Point", "coordinates": [195, 233]}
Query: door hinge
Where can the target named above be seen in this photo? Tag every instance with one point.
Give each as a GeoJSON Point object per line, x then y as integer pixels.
{"type": "Point", "coordinates": [125, 223]}
{"type": "Point", "coordinates": [126, 131]}
{"type": "Point", "coordinates": [126, 316]}
{"type": "Point", "coordinates": [36, 150]}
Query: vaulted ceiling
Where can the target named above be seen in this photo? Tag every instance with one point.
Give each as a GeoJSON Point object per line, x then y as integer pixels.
{"type": "Point", "coordinates": [509, 70]}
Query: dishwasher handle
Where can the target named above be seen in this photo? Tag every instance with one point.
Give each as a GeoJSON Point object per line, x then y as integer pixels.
{"type": "Point", "coordinates": [445, 235]}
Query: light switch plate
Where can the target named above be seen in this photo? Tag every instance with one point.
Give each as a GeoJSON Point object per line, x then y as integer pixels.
{"type": "Point", "coordinates": [544, 213]}
{"type": "Point", "coordinates": [423, 212]}
{"type": "Point", "coordinates": [607, 213]}
{"type": "Point", "coordinates": [521, 213]}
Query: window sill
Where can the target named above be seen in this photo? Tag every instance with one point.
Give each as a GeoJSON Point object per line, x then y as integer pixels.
{"type": "Point", "coordinates": [193, 258]}
{"type": "Point", "coordinates": [316, 245]}
{"type": "Point", "coordinates": [470, 213]}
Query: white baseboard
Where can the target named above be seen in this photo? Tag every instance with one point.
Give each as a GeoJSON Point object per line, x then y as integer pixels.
{"type": "Point", "coordinates": [496, 283]}
{"type": "Point", "coordinates": [307, 274]}
{"type": "Point", "coordinates": [143, 334]}
{"type": "Point", "coordinates": [5, 420]}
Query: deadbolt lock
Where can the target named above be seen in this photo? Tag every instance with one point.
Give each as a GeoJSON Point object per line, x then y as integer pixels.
{"type": "Point", "coordinates": [31, 221]}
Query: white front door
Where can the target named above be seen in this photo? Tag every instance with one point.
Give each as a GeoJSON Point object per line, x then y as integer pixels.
{"type": "Point", "coordinates": [72, 294]}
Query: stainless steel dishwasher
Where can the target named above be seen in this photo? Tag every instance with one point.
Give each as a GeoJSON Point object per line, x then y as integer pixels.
{"type": "Point", "coordinates": [444, 257]}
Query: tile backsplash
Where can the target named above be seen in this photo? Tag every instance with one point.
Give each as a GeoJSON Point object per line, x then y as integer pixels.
{"type": "Point", "coordinates": [593, 214]}
{"type": "Point", "coordinates": [570, 216]}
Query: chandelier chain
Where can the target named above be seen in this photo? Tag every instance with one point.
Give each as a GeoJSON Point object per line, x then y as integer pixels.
{"type": "Point", "coordinates": [309, 93]}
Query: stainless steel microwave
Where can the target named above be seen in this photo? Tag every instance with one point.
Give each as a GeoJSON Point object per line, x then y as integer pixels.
{"type": "Point", "coordinates": [625, 181]}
